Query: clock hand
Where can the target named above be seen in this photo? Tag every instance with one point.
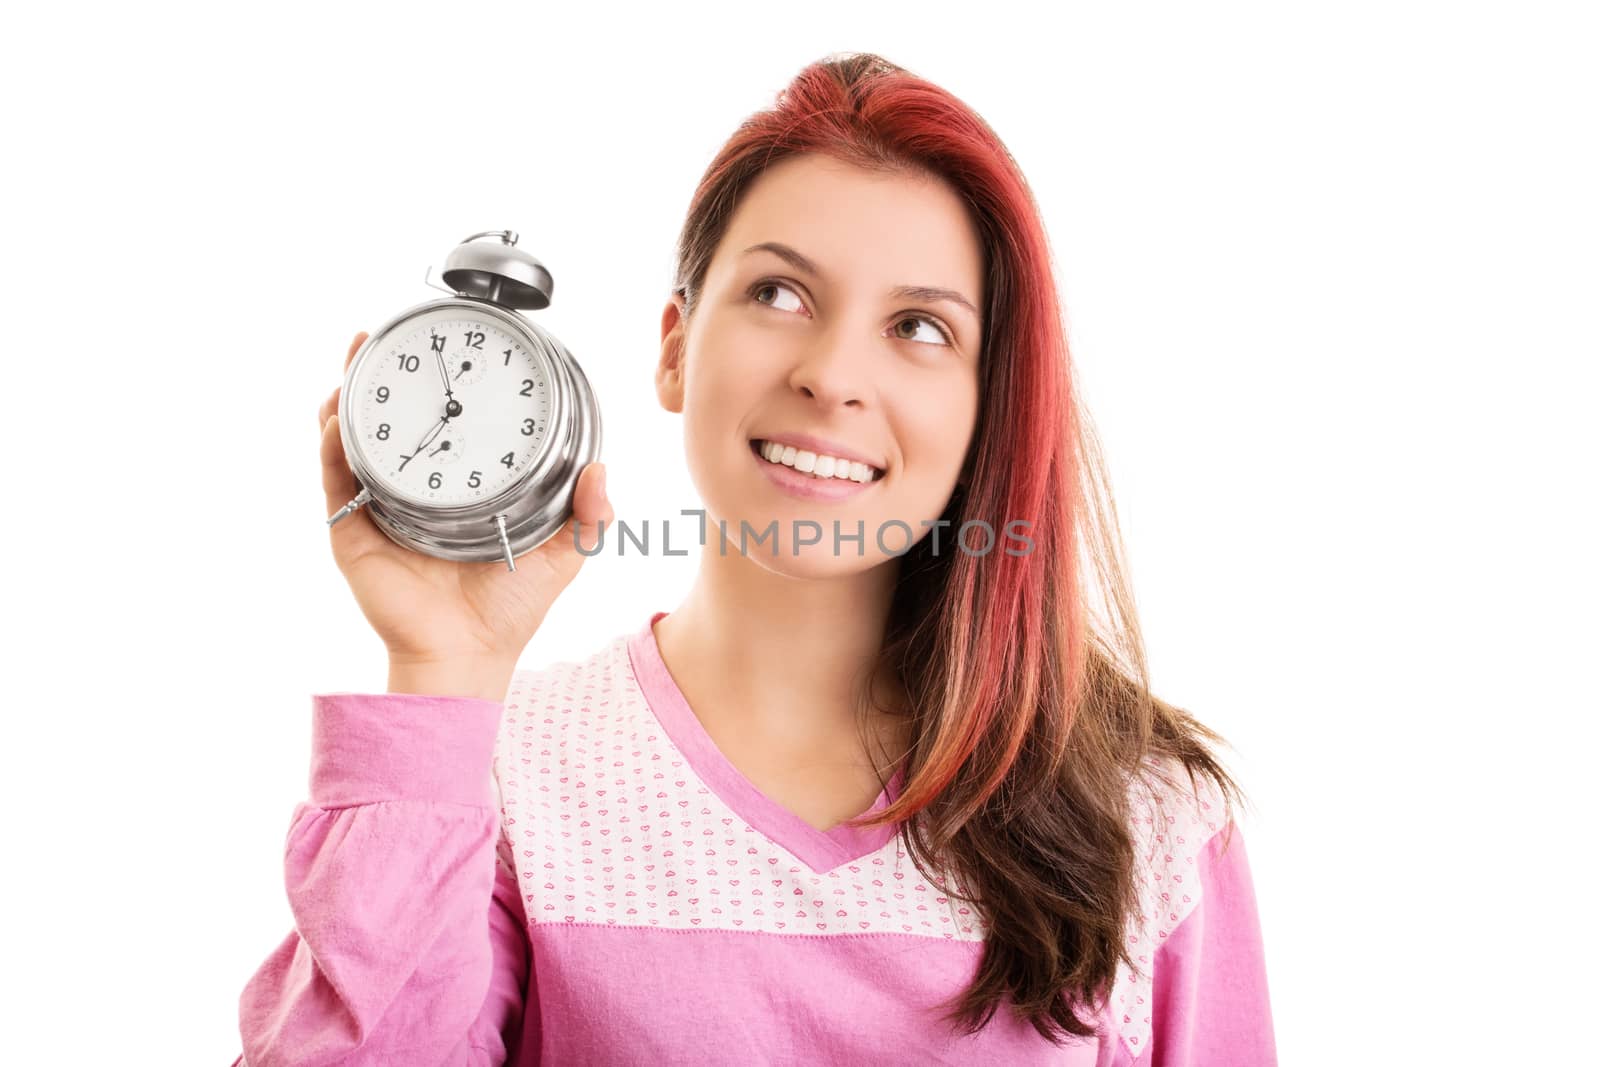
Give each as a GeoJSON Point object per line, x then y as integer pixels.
{"type": "Point", "coordinates": [444, 373]}
{"type": "Point", "coordinates": [425, 441]}
{"type": "Point", "coordinates": [444, 447]}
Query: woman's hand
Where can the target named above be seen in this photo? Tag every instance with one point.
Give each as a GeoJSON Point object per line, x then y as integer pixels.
{"type": "Point", "coordinates": [431, 612]}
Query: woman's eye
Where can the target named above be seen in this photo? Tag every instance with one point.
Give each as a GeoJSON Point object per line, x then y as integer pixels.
{"type": "Point", "coordinates": [940, 334]}
{"type": "Point", "coordinates": [941, 338]}
{"type": "Point", "coordinates": [761, 287]}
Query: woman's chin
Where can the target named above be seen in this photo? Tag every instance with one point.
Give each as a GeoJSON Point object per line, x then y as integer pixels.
{"type": "Point", "coordinates": [814, 563]}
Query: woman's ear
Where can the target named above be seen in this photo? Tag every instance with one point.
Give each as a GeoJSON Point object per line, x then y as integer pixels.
{"type": "Point", "coordinates": [669, 369]}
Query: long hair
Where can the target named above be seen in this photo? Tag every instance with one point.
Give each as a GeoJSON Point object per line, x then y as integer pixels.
{"type": "Point", "coordinates": [1031, 713]}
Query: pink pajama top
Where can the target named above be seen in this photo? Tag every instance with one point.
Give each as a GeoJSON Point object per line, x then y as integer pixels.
{"type": "Point", "coordinates": [577, 875]}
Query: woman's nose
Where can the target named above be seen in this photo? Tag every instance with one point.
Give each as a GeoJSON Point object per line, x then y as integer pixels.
{"type": "Point", "coordinates": [832, 373]}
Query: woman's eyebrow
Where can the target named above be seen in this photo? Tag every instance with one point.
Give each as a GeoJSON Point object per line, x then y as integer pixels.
{"type": "Point", "coordinates": [909, 292]}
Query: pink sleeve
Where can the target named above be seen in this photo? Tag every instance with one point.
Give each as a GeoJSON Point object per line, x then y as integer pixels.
{"type": "Point", "coordinates": [1210, 977]}
{"type": "Point", "coordinates": [409, 944]}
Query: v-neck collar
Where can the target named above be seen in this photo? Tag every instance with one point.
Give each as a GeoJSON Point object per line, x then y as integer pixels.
{"type": "Point", "coordinates": [821, 850]}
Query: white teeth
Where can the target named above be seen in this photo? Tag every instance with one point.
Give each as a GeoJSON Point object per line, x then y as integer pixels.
{"type": "Point", "coordinates": [818, 466]}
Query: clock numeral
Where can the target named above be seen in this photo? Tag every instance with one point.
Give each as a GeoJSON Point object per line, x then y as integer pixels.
{"type": "Point", "coordinates": [409, 363]}
{"type": "Point", "coordinates": [438, 342]}
{"type": "Point", "coordinates": [527, 387]}
{"type": "Point", "coordinates": [507, 458]}
{"type": "Point", "coordinates": [434, 480]}
{"type": "Point", "coordinates": [383, 431]}
{"type": "Point", "coordinates": [507, 363]}
{"type": "Point", "coordinates": [474, 339]}
{"type": "Point", "coordinates": [527, 427]}
{"type": "Point", "coordinates": [383, 394]}
{"type": "Point", "coordinates": [476, 480]}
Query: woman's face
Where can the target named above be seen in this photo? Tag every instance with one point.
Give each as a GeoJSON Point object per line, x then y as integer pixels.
{"type": "Point", "coordinates": [819, 348]}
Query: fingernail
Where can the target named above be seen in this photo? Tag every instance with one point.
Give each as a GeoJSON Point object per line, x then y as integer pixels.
{"type": "Point", "coordinates": [602, 481]}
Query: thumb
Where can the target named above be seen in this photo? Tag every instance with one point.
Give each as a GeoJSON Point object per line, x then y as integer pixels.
{"type": "Point", "coordinates": [590, 507]}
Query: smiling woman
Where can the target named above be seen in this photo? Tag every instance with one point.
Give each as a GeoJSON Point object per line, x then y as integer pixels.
{"type": "Point", "coordinates": [848, 803]}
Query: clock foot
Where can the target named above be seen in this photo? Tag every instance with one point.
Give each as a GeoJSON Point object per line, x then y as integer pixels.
{"type": "Point", "coordinates": [361, 498]}
{"type": "Point", "coordinates": [505, 542]}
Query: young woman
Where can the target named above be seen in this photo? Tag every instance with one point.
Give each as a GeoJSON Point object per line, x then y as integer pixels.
{"type": "Point", "coordinates": [886, 786]}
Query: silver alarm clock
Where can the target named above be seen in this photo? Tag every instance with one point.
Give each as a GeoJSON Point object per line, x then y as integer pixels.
{"type": "Point", "coordinates": [466, 426]}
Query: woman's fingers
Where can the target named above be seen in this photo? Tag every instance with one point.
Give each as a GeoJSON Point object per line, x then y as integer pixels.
{"type": "Point", "coordinates": [356, 534]}
{"type": "Point", "coordinates": [331, 405]}
{"type": "Point", "coordinates": [338, 484]}
{"type": "Point", "coordinates": [328, 408]}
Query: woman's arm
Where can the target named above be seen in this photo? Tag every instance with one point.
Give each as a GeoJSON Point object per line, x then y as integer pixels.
{"type": "Point", "coordinates": [409, 944]}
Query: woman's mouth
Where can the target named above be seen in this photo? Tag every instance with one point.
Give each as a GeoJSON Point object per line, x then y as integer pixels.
{"type": "Point", "coordinates": [813, 465]}
{"type": "Point", "coordinates": [829, 479]}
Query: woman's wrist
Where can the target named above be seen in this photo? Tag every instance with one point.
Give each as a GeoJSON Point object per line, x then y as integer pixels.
{"type": "Point", "coordinates": [483, 679]}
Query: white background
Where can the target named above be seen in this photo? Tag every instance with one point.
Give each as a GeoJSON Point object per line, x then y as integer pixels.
{"type": "Point", "coordinates": [1331, 277]}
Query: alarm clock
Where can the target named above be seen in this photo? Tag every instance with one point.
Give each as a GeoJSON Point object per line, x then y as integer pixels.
{"type": "Point", "coordinates": [465, 424]}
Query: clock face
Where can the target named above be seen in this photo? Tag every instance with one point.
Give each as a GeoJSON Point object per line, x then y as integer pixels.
{"type": "Point", "coordinates": [450, 407]}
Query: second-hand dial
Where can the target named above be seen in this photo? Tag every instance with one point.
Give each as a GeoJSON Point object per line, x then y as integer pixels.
{"type": "Point", "coordinates": [466, 368]}
{"type": "Point", "coordinates": [434, 432]}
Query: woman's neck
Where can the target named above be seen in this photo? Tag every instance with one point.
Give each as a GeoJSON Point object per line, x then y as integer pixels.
{"type": "Point", "coordinates": [789, 656]}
